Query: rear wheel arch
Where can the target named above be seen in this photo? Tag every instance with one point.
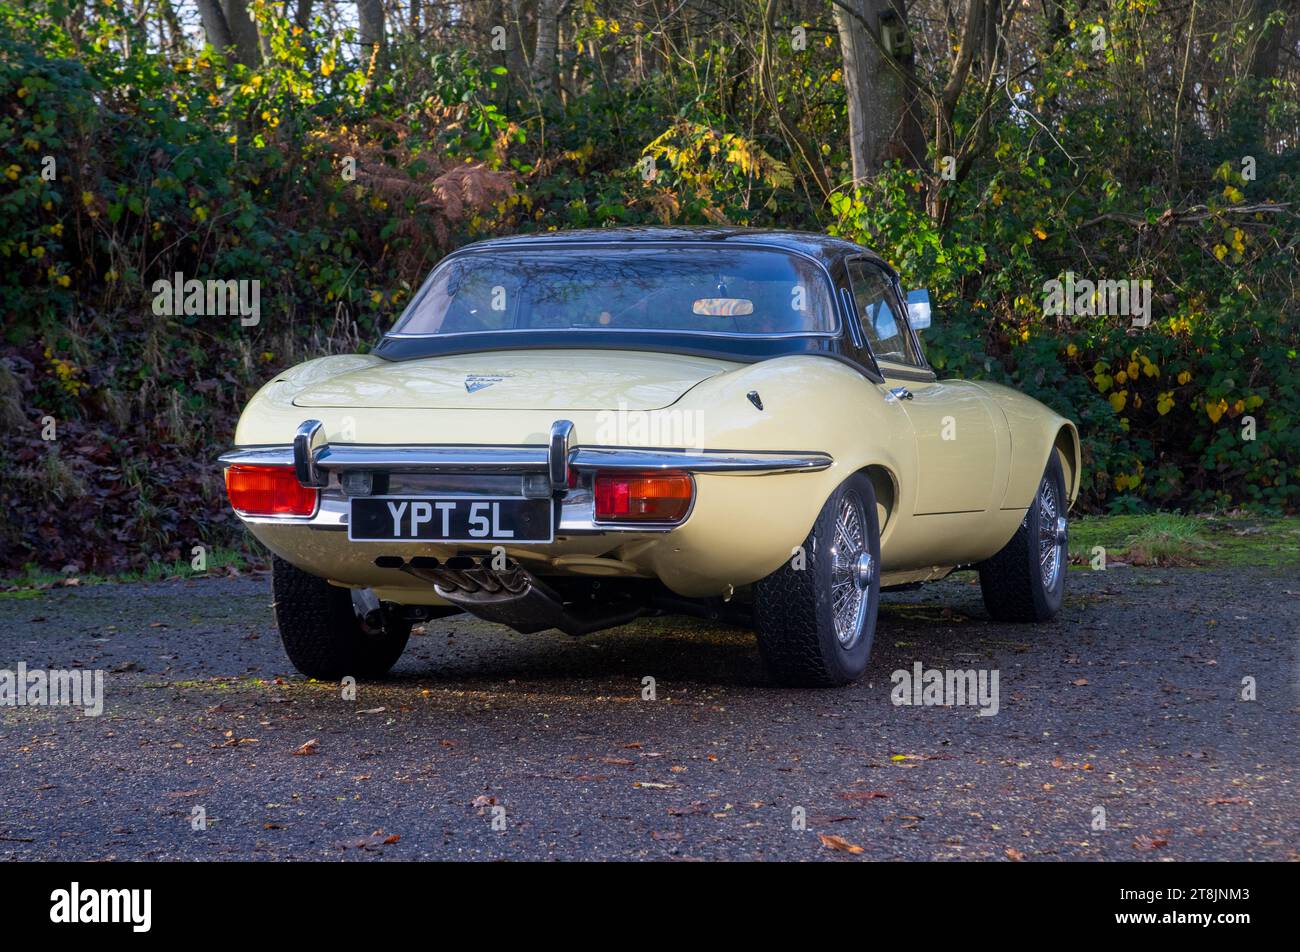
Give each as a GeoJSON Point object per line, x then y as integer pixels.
{"type": "Point", "coordinates": [1066, 445]}
{"type": "Point", "coordinates": [885, 484]}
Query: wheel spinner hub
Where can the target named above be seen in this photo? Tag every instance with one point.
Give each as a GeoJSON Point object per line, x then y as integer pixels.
{"type": "Point", "coordinates": [1052, 534]}
{"type": "Point", "coordinates": [853, 569]}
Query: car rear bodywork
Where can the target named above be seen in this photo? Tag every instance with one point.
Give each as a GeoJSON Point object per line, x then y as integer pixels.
{"type": "Point", "coordinates": [763, 429]}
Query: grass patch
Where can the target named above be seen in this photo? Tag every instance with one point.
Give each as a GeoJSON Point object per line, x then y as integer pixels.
{"type": "Point", "coordinates": [1172, 539]}
{"type": "Point", "coordinates": [33, 578]}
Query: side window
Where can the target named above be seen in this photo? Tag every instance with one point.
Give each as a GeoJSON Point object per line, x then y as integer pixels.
{"type": "Point", "coordinates": [877, 315]}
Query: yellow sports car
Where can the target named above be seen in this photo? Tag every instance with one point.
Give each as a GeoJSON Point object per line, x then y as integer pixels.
{"type": "Point", "coordinates": [571, 430]}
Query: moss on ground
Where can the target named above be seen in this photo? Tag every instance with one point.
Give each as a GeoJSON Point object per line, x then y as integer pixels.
{"type": "Point", "coordinates": [1172, 539]}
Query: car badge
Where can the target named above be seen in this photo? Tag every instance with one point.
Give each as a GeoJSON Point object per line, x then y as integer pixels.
{"type": "Point", "coordinates": [476, 382]}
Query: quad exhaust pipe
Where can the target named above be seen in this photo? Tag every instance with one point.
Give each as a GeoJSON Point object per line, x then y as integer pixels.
{"type": "Point", "coordinates": [510, 596]}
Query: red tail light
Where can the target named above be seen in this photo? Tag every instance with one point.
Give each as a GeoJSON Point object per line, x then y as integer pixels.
{"type": "Point", "coordinates": [643, 497]}
{"type": "Point", "coordinates": [269, 491]}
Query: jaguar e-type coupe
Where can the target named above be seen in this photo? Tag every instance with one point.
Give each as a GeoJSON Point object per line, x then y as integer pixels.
{"type": "Point", "coordinates": [570, 430]}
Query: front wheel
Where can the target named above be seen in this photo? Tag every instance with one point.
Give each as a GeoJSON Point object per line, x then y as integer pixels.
{"type": "Point", "coordinates": [816, 615]}
{"type": "Point", "coordinates": [1026, 580]}
{"type": "Point", "coordinates": [330, 632]}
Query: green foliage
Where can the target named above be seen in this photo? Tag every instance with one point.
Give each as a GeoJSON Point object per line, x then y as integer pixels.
{"type": "Point", "coordinates": [186, 161]}
{"type": "Point", "coordinates": [1164, 410]}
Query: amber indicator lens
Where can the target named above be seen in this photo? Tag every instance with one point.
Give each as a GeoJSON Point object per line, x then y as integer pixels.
{"type": "Point", "coordinates": [643, 497]}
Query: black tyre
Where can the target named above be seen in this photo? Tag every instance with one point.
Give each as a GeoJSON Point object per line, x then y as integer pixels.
{"type": "Point", "coordinates": [1026, 580]}
{"type": "Point", "coordinates": [328, 632]}
{"type": "Point", "coordinates": [816, 620]}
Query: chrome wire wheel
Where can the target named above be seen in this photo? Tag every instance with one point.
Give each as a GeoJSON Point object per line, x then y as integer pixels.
{"type": "Point", "coordinates": [852, 570]}
{"type": "Point", "coordinates": [1051, 534]}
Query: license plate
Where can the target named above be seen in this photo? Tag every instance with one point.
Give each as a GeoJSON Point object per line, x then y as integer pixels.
{"type": "Point", "coordinates": [450, 519]}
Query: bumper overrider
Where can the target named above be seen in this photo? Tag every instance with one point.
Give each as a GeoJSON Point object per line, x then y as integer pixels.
{"type": "Point", "coordinates": [311, 484]}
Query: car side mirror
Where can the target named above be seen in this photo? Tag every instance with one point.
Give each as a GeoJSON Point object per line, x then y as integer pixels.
{"type": "Point", "coordinates": [918, 309]}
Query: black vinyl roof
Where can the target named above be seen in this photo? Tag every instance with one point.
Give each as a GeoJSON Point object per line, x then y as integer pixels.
{"type": "Point", "coordinates": [822, 247]}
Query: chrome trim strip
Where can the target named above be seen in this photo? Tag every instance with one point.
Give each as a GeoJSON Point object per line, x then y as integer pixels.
{"type": "Point", "coordinates": [530, 459]}
{"type": "Point", "coordinates": [258, 456]}
{"type": "Point", "coordinates": [415, 459]}
{"type": "Point", "coordinates": [703, 461]}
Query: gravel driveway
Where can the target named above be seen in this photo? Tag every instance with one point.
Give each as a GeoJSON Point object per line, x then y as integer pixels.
{"type": "Point", "coordinates": [486, 744]}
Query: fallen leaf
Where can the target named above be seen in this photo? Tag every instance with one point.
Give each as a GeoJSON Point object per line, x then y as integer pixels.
{"type": "Point", "coordinates": [1144, 842]}
{"type": "Point", "coordinates": [839, 843]}
{"type": "Point", "coordinates": [1014, 854]}
{"type": "Point", "coordinates": [308, 749]}
{"type": "Point", "coordinates": [691, 809]}
{"type": "Point", "coordinates": [862, 795]}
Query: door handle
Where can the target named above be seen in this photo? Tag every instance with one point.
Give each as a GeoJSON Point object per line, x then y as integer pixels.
{"type": "Point", "coordinates": [900, 393]}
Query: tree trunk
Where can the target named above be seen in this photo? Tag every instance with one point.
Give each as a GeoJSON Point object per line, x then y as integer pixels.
{"type": "Point", "coordinates": [243, 32]}
{"type": "Point", "coordinates": [370, 13]}
{"type": "Point", "coordinates": [548, 26]}
{"type": "Point", "coordinates": [883, 116]}
{"type": "Point", "coordinates": [214, 24]}
{"type": "Point", "coordinates": [169, 29]}
{"type": "Point", "coordinates": [302, 17]}
{"type": "Point", "coordinates": [807, 160]}
{"type": "Point", "coordinates": [1263, 61]}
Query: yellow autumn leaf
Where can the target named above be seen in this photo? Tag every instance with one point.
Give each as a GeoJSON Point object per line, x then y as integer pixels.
{"type": "Point", "coordinates": [1216, 410]}
{"type": "Point", "coordinates": [1132, 369]}
{"type": "Point", "coordinates": [1184, 377]}
{"type": "Point", "coordinates": [1122, 377]}
{"type": "Point", "coordinates": [1071, 351]}
{"type": "Point", "coordinates": [1118, 399]}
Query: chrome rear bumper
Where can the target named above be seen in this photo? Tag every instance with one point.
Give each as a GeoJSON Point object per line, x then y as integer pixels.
{"type": "Point", "coordinates": [314, 458]}
{"type": "Point", "coordinates": [320, 464]}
